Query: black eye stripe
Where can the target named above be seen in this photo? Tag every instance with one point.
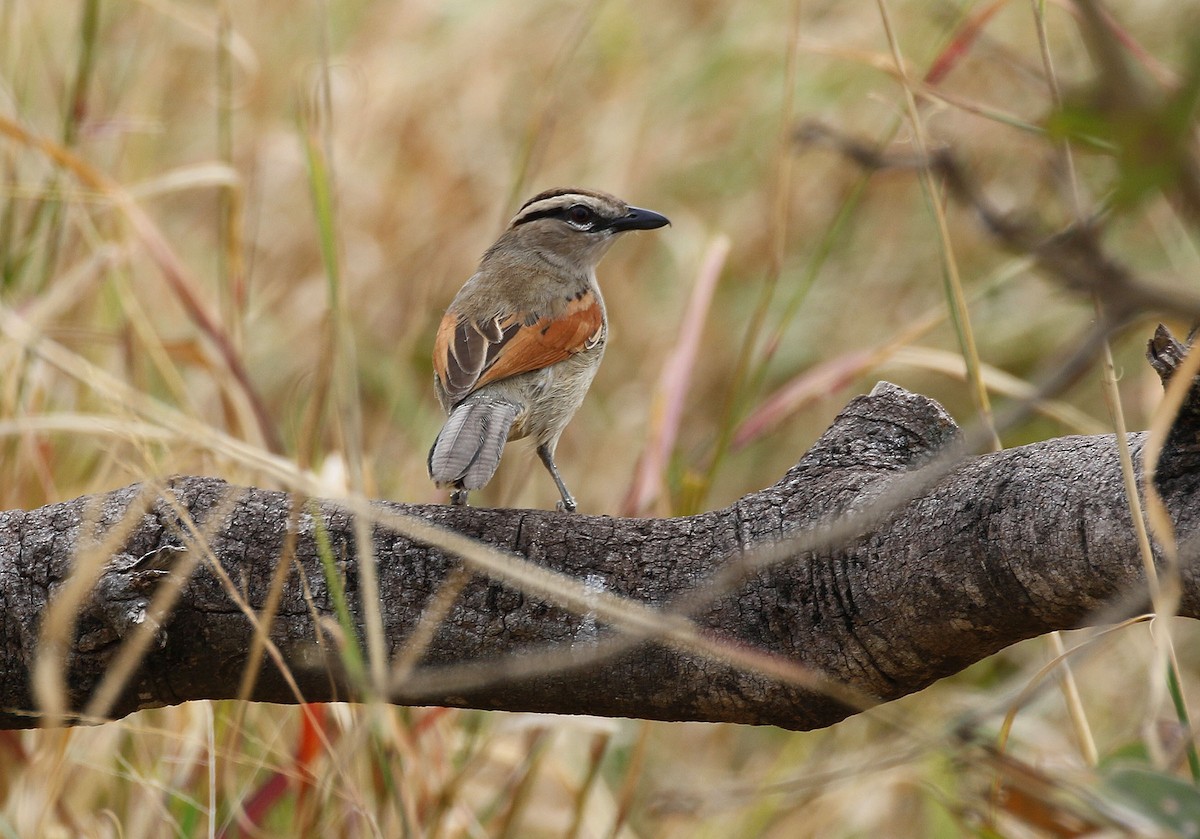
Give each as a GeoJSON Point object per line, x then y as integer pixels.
{"type": "Point", "coordinates": [525, 219]}
{"type": "Point", "coordinates": [564, 213]}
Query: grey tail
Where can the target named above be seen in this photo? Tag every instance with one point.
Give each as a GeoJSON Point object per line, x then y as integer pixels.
{"type": "Point", "coordinates": [468, 448]}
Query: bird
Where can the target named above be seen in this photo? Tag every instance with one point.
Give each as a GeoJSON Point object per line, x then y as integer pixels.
{"type": "Point", "coordinates": [517, 349]}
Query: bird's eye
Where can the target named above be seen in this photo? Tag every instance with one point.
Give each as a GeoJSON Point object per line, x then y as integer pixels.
{"type": "Point", "coordinates": [579, 214]}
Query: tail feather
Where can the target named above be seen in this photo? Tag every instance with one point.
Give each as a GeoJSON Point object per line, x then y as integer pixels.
{"type": "Point", "coordinates": [468, 448]}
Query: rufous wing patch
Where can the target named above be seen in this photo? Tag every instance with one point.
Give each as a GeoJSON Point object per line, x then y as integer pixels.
{"type": "Point", "coordinates": [548, 340]}
{"type": "Point", "coordinates": [468, 355]}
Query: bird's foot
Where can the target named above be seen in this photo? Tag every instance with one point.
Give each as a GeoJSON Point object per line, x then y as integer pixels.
{"type": "Point", "coordinates": [566, 505]}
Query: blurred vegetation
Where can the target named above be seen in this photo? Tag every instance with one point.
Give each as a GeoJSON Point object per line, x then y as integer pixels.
{"type": "Point", "coordinates": [253, 213]}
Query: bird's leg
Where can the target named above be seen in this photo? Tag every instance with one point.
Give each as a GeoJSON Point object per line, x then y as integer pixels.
{"type": "Point", "coordinates": [458, 497]}
{"type": "Point", "coordinates": [568, 501]}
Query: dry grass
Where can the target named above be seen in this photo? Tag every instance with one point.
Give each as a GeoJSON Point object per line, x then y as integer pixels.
{"type": "Point", "coordinates": [157, 222]}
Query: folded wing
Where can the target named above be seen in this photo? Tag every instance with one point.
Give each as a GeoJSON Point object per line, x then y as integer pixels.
{"type": "Point", "coordinates": [469, 354]}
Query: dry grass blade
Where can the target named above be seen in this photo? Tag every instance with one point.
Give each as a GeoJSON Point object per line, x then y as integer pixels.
{"type": "Point", "coordinates": [23, 334]}
{"type": "Point", "coordinates": [434, 614]}
{"type": "Point", "coordinates": [178, 279]}
{"type": "Point", "coordinates": [63, 609]}
{"type": "Point", "coordinates": [1000, 383]}
{"type": "Point", "coordinates": [133, 647]}
{"type": "Point", "coordinates": [1166, 588]}
{"type": "Point", "coordinates": [649, 482]}
{"type": "Point", "coordinates": [960, 45]}
{"type": "Point", "coordinates": [956, 297]}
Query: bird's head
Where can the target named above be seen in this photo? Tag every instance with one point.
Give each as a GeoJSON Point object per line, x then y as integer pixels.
{"type": "Point", "coordinates": [576, 226]}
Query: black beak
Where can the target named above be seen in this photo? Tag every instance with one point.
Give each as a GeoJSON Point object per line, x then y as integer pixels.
{"type": "Point", "coordinates": [639, 219]}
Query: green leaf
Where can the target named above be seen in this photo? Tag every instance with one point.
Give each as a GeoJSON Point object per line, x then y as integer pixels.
{"type": "Point", "coordinates": [1166, 800]}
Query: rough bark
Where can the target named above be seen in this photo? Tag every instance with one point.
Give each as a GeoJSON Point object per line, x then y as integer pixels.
{"type": "Point", "coordinates": [948, 559]}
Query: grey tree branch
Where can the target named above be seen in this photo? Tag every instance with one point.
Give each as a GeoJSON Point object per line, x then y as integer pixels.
{"type": "Point", "coordinates": [991, 550]}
